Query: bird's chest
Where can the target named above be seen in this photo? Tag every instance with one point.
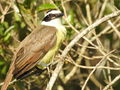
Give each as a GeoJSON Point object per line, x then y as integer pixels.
{"type": "Point", "coordinates": [48, 58]}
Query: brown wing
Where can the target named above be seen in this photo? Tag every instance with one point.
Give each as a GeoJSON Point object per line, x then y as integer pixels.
{"type": "Point", "coordinates": [33, 48]}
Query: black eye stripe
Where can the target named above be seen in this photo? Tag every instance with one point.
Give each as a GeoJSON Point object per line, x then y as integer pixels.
{"type": "Point", "coordinates": [49, 17]}
{"type": "Point", "coordinates": [52, 16]}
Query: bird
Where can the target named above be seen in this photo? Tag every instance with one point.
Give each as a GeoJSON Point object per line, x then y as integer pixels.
{"type": "Point", "coordinates": [38, 49]}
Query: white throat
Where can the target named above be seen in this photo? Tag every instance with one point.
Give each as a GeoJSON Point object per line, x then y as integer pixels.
{"type": "Point", "coordinates": [54, 23]}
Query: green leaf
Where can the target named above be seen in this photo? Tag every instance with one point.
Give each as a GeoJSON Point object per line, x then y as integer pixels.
{"type": "Point", "coordinates": [117, 3]}
{"type": "Point", "coordinates": [71, 16]}
{"type": "Point", "coordinates": [22, 24]}
{"type": "Point", "coordinates": [4, 69]}
{"type": "Point", "coordinates": [7, 37]}
{"type": "Point", "coordinates": [5, 24]}
{"type": "Point", "coordinates": [17, 17]}
{"type": "Point", "coordinates": [1, 63]}
{"type": "Point", "coordinates": [8, 30]}
{"type": "Point", "coordinates": [1, 30]}
{"type": "Point", "coordinates": [46, 7]}
{"type": "Point", "coordinates": [1, 51]}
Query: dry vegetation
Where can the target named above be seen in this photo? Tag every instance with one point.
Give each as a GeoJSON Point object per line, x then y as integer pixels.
{"type": "Point", "coordinates": [89, 59]}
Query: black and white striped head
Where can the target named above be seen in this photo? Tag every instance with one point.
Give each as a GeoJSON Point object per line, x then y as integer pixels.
{"type": "Point", "coordinates": [52, 14]}
{"type": "Point", "coordinates": [52, 18]}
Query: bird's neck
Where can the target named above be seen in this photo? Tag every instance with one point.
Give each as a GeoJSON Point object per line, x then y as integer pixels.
{"type": "Point", "coordinates": [55, 23]}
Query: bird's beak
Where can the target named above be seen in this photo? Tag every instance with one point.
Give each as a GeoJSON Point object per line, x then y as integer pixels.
{"type": "Point", "coordinates": [60, 15]}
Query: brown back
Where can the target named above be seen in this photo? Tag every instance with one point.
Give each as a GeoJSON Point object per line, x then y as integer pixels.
{"type": "Point", "coordinates": [33, 48]}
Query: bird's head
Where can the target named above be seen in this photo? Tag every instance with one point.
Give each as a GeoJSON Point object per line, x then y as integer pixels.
{"type": "Point", "coordinates": [52, 18]}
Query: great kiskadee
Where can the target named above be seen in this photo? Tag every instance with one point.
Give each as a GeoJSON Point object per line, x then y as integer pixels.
{"type": "Point", "coordinates": [39, 47]}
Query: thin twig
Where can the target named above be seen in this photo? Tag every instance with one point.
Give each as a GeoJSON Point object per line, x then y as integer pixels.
{"type": "Point", "coordinates": [114, 28]}
{"type": "Point", "coordinates": [83, 88]}
{"type": "Point", "coordinates": [9, 83]}
{"type": "Point", "coordinates": [113, 82]}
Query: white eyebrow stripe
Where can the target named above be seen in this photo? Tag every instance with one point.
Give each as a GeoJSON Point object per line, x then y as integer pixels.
{"type": "Point", "coordinates": [53, 12]}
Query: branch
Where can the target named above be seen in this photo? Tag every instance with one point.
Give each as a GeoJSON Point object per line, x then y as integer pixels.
{"type": "Point", "coordinates": [9, 76]}
{"type": "Point", "coordinates": [97, 65]}
{"type": "Point", "coordinates": [13, 81]}
{"type": "Point", "coordinates": [72, 43]}
{"type": "Point", "coordinates": [112, 82]}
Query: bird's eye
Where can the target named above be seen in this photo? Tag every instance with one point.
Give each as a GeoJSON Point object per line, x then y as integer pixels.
{"type": "Point", "coordinates": [51, 15]}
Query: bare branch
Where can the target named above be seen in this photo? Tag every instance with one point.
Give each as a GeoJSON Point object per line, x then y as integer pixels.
{"type": "Point", "coordinates": [113, 82]}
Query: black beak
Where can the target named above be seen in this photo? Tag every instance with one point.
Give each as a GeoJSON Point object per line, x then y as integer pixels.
{"type": "Point", "coordinates": [60, 15]}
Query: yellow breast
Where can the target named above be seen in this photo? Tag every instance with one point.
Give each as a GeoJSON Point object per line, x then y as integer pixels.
{"type": "Point", "coordinates": [48, 58]}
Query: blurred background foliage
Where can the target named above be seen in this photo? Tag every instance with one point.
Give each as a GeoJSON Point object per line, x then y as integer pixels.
{"type": "Point", "coordinates": [18, 18]}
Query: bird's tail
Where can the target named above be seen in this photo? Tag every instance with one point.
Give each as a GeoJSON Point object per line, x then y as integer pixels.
{"type": "Point", "coordinates": [9, 76]}
{"type": "Point", "coordinates": [33, 71]}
